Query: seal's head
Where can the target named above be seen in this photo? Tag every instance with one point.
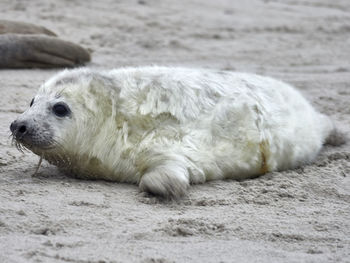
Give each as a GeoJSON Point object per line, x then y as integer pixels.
{"type": "Point", "coordinates": [40, 127]}
{"type": "Point", "coordinates": [66, 115]}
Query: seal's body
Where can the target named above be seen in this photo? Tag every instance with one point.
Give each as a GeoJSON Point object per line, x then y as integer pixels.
{"type": "Point", "coordinates": [24, 45]}
{"type": "Point", "coordinates": [165, 128]}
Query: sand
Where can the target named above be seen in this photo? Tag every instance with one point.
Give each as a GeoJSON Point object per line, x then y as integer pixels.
{"type": "Point", "coordinates": [300, 215]}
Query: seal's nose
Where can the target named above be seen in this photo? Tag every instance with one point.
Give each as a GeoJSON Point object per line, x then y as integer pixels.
{"type": "Point", "coordinates": [18, 128]}
{"type": "Point", "coordinates": [13, 126]}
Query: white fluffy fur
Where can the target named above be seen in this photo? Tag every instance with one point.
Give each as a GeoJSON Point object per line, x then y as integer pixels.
{"type": "Point", "coordinates": [165, 128]}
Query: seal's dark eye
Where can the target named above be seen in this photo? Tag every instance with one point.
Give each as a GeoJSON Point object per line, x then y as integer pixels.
{"type": "Point", "coordinates": [31, 103]}
{"type": "Point", "coordinates": [60, 109]}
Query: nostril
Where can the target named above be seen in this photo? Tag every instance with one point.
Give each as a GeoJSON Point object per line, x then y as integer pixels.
{"type": "Point", "coordinates": [22, 129]}
{"type": "Point", "coordinates": [19, 128]}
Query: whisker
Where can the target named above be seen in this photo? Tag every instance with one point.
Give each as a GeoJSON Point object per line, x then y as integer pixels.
{"type": "Point", "coordinates": [19, 146]}
{"type": "Point", "coordinates": [38, 166]}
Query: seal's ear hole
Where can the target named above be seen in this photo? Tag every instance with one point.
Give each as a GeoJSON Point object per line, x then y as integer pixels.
{"type": "Point", "coordinates": [61, 109]}
{"type": "Point", "coordinates": [31, 103]}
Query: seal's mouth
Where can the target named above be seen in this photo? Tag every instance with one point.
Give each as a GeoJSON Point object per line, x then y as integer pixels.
{"type": "Point", "coordinates": [22, 145]}
{"type": "Point", "coordinates": [31, 137]}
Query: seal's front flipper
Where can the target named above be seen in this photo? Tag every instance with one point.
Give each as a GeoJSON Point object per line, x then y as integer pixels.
{"type": "Point", "coordinates": [49, 60]}
{"type": "Point", "coordinates": [169, 180]}
{"type": "Point", "coordinates": [62, 51]}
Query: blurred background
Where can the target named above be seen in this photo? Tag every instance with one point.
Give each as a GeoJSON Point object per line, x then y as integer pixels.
{"type": "Point", "coordinates": [256, 35]}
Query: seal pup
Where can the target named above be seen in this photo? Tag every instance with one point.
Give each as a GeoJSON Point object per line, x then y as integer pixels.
{"type": "Point", "coordinates": [24, 45]}
{"type": "Point", "coordinates": [165, 128]}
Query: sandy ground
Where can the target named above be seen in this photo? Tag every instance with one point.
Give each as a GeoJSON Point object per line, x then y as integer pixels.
{"type": "Point", "coordinates": [293, 216]}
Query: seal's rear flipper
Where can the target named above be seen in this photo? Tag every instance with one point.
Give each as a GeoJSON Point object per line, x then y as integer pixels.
{"type": "Point", "coordinates": [336, 138]}
{"type": "Point", "coordinates": [331, 133]}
